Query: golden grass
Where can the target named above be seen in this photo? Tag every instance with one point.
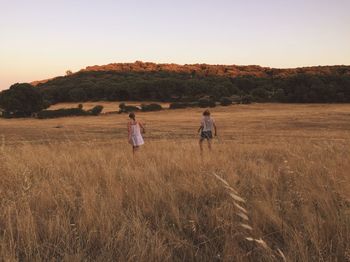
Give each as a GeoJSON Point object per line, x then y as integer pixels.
{"type": "Point", "coordinates": [76, 192]}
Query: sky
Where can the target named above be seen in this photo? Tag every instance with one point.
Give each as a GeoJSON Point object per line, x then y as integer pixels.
{"type": "Point", "coordinates": [41, 39]}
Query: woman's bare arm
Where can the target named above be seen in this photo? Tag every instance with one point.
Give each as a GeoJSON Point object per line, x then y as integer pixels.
{"type": "Point", "coordinates": [129, 131]}
{"type": "Point", "coordinates": [142, 127]}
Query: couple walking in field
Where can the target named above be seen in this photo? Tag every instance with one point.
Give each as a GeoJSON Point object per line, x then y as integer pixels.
{"type": "Point", "coordinates": [206, 129]}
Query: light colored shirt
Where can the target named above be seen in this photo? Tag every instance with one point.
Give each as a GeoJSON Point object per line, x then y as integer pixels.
{"type": "Point", "coordinates": [207, 123]}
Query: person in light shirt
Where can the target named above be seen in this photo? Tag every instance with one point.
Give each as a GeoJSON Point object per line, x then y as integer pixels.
{"type": "Point", "coordinates": [206, 130]}
{"type": "Point", "coordinates": [134, 132]}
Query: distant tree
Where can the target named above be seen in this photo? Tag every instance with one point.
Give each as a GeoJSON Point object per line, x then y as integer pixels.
{"type": "Point", "coordinates": [151, 107]}
{"type": "Point", "coordinates": [123, 95]}
{"type": "Point", "coordinates": [260, 93]}
{"type": "Point", "coordinates": [247, 99]}
{"type": "Point", "coordinates": [225, 101]}
{"type": "Point", "coordinates": [122, 106]}
{"type": "Point", "coordinates": [206, 102]}
{"type": "Point", "coordinates": [172, 83]}
{"type": "Point", "coordinates": [22, 100]}
{"type": "Point", "coordinates": [69, 72]}
{"type": "Point", "coordinates": [279, 96]}
{"type": "Point", "coordinates": [96, 110]}
{"type": "Point", "coordinates": [77, 95]}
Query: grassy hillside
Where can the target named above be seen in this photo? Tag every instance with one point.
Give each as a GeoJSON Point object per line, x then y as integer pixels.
{"type": "Point", "coordinates": [171, 82]}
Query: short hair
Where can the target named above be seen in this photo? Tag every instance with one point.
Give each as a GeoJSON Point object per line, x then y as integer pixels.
{"type": "Point", "coordinates": [132, 115]}
{"type": "Point", "coordinates": [206, 113]}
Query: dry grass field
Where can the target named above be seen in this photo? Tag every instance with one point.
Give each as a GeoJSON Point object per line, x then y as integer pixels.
{"type": "Point", "coordinates": [72, 191]}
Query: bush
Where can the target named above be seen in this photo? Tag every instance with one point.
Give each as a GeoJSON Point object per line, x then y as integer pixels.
{"type": "Point", "coordinates": [247, 99]}
{"type": "Point", "coordinates": [225, 101]}
{"type": "Point", "coordinates": [123, 108]}
{"type": "Point", "coordinates": [260, 94]}
{"type": "Point", "coordinates": [178, 105]}
{"type": "Point", "coordinates": [96, 110]}
{"type": "Point", "coordinates": [205, 102]}
{"type": "Point", "coordinates": [193, 104]}
{"type": "Point", "coordinates": [77, 94]}
{"type": "Point", "coordinates": [80, 106]}
{"type": "Point", "coordinates": [151, 107]}
{"type": "Point", "coordinates": [61, 113]}
{"type": "Point", "coordinates": [22, 100]}
{"type": "Point", "coordinates": [6, 114]}
{"type": "Point", "coordinates": [235, 99]}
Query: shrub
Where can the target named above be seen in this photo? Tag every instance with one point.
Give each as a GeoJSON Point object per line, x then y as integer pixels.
{"type": "Point", "coordinates": [96, 110]}
{"type": "Point", "coordinates": [61, 113]}
{"type": "Point", "coordinates": [123, 108]}
{"type": "Point", "coordinates": [6, 114]}
{"type": "Point", "coordinates": [80, 106]}
{"type": "Point", "coordinates": [77, 94]}
{"type": "Point", "coordinates": [151, 107]}
{"type": "Point", "coordinates": [205, 102]}
{"type": "Point", "coordinates": [22, 100]}
{"type": "Point", "coordinates": [193, 104]}
{"type": "Point", "coordinates": [247, 99]}
{"type": "Point", "coordinates": [260, 94]}
{"type": "Point", "coordinates": [235, 99]}
{"type": "Point", "coordinates": [178, 105]}
{"type": "Point", "coordinates": [225, 101]}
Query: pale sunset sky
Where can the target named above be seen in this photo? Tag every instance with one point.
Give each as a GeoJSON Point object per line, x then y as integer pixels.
{"type": "Point", "coordinates": [43, 38]}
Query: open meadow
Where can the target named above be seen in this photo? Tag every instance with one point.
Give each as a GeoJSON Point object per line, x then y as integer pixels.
{"type": "Point", "coordinates": [71, 189]}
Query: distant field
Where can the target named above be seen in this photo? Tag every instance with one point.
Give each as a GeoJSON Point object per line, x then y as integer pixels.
{"type": "Point", "coordinates": [72, 191]}
{"type": "Point", "coordinates": [257, 123]}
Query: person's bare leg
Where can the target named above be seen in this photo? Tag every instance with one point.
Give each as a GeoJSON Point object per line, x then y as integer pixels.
{"type": "Point", "coordinates": [201, 146]}
{"type": "Point", "coordinates": [209, 144]}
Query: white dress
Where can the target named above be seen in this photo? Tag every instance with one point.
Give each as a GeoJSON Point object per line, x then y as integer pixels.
{"type": "Point", "coordinates": [136, 138]}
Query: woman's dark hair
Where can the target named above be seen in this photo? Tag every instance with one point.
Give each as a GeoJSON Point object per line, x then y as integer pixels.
{"type": "Point", "coordinates": [132, 115]}
{"type": "Point", "coordinates": [206, 113]}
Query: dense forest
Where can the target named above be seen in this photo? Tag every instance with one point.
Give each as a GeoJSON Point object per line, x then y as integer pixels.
{"type": "Point", "coordinates": [185, 83]}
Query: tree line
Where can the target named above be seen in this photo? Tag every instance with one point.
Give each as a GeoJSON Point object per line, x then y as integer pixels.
{"type": "Point", "coordinates": [170, 86]}
{"type": "Point", "coordinates": [180, 87]}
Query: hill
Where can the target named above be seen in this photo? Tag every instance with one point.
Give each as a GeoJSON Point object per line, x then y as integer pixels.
{"type": "Point", "coordinates": [173, 82]}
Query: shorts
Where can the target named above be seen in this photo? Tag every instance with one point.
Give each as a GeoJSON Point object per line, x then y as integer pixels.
{"type": "Point", "coordinates": [206, 135]}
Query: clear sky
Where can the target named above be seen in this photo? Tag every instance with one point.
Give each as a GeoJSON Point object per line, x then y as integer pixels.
{"type": "Point", "coordinates": [43, 38]}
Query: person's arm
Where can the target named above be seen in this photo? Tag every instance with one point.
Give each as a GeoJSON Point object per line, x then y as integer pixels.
{"type": "Point", "coordinates": [201, 127]}
{"type": "Point", "coordinates": [129, 131]}
{"type": "Point", "coordinates": [142, 127]}
{"type": "Point", "coordinates": [215, 129]}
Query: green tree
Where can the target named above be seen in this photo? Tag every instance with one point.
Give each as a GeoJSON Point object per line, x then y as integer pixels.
{"type": "Point", "coordinates": [260, 94]}
{"type": "Point", "coordinates": [77, 95]}
{"type": "Point", "coordinates": [22, 100]}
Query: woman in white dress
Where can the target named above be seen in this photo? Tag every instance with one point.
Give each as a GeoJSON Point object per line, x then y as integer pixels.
{"type": "Point", "coordinates": [134, 132]}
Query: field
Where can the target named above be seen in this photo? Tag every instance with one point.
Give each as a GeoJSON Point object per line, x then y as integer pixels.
{"type": "Point", "coordinates": [71, 189]}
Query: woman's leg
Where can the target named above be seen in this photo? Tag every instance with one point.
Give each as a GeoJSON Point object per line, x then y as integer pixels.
{"type": "Point", "coordinates": [201, 144]}
{"type": "Point", "coordinates": [209, 144]}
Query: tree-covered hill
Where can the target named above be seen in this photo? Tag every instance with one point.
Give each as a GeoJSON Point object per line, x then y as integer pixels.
{"type": "Point", "coordinates": [172, 82]}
